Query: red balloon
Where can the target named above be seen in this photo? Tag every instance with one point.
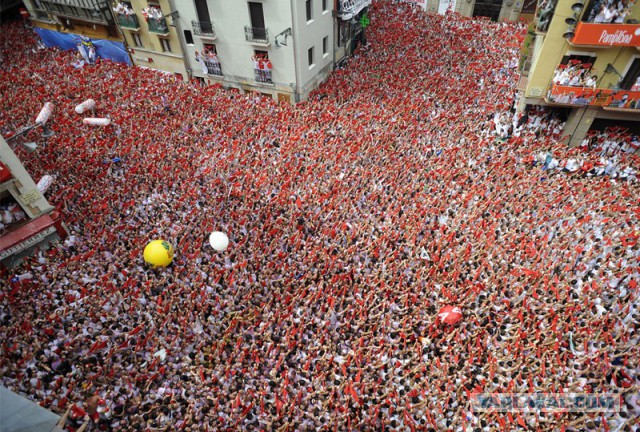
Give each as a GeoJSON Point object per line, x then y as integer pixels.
{"type": "Point", "coordinates": [450, 314]}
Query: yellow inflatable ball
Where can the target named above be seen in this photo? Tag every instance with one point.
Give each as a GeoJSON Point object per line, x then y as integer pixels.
{"type": "Point", "coordinates": [158, 253]}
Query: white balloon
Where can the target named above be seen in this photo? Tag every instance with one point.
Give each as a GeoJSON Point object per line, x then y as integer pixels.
{"type": "Point", "coordinates": [45, 182]}
{"type": "Point", "coordinates": [85, 106]}
{"type": "Point", "coordinates": [96, 121]}
{"type": "Point", "coordinates": [45, 113]}
{"type": "Point", "coordinates": [219, 241]}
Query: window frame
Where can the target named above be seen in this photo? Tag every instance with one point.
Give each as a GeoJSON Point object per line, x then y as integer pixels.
{"type": "Point", "coordinates": [189, 38]}
{"type": "Point", "coordinates": [137, 40]}
{"type": "Point", "coordinates": [167, 48]}
{"type": "Point", "coordinates": [309, 10]}
{"type": "Point", "coordinates": [311, 57]}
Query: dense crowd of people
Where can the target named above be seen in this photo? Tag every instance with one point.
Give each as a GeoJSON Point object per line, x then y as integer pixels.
{"type": "Point", "coordinates": [353, 218]}
{"type": "Point", "coordinates": [575, 74]}
{"type": "Point", "coordinates": [610, 11]}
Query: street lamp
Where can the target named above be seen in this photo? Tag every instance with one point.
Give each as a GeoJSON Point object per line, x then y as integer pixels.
{"type": "Point", "coordinates": [41, 121]}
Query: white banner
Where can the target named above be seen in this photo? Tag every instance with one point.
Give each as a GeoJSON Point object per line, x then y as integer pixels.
{"type": "Point", "coordinates": [445, 5]}
{"type": "Point", "coordinates": [420, 3]}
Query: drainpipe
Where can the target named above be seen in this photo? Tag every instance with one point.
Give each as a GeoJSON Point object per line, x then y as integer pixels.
{"type": "Point", "coordinates": [175, 16]}
{"type": "Point", "coordinates": [334, 18]}
{"type": "Point", "coordinates": [294, 34]}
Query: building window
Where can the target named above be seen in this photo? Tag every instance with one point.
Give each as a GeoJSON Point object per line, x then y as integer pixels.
{"type": "Point", "coordinates": [262, 66]}
{"type": "Point", "coordinates": [210, 48]}
{"type": "Point", "coordinates": [309, 4]}
{"type": "Point", "coordinates": [631, 80]}
{"type": "Point", "coordinates": [203, 11]}
{"type": "Point", "coordinates": [137, 40]}
{"type": "Point", "coordinates": [310, 57]}
{"type": "Point", "coordinates": [324, 5]}
{"type": "Point", "coordinates": [188, 37]}
{"type": "Point", "coordinates": [210, 60]}
{"type": "Point", "coordinates": [166, 47]}
{"type": "Point", "coordinates": [257, 21]}
{"type": "Point", "coordinates": [325, 45]}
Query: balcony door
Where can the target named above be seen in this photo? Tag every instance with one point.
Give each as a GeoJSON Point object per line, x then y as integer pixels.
{"type": "Point", "coordinates": [632, 75]}
{"type": "Point", "coordinates": [203, 16]}
{"type": "Point", "coordinates": [257, 20]}
{"type": "Point", "coordinates": [488, 8]}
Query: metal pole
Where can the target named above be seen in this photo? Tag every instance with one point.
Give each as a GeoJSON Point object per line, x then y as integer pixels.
{"type": "Point", "coordinates": [175, 16]}
{"type": "Point", "coordinates": [294, 28]}
{"type": "Point", "coordinates": [22, 132]}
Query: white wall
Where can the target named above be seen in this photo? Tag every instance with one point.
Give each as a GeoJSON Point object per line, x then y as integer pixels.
{"type": "Point", "coordinates": [290, 62]}
{"type": "Point", "coordinates": [309, 34]}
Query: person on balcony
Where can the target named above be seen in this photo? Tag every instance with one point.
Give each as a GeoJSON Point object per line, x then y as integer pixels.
{"type": "Point", "coordinates": [546, 13]}
{"type": "Point", "coordinates": [203, 65]}
{"type": "Point", "coordinates": [124, 9]}
{"type": "Point", "coordinates": [152, 12]}
{"type": "Point", "coordinates": [605, 15]}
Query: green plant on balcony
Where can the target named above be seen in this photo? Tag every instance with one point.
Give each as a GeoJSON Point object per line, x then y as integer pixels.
{"type": "Point", "coordinates": [525, 49]}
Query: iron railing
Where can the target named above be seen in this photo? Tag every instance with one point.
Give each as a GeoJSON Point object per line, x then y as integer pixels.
{"type": "Point", "coordinates": [213, 67]}
{"type": "Point", "coordinates": [41, 14]}
{"type": "Point", "coordinates": [203, 28]}
{"type": "Point", "coordinates": [82, 10]}
{"type": "Point", "coordinates": [85, 4]}
{"type": "Point", "coordinates": [256, 34]}
{"type": "Point", "coordinates": [263, 76]}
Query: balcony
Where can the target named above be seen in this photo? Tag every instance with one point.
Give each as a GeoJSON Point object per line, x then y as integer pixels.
{"type": "Point", "coordinates": [128, 21]}
{"type": "Point", "coordinates": [86, 4]}
{"type": "Point", "coordinates": [204, 29]}
{"type": "Point", "coordinates": [587, 96]}
{"type": "Point", "coordinates": [262, 67]}
{"type": "Point", "coordinates": [351, 8]}
{"type": "Point", "coordinates": [256, 35]}
{"type": "Point", "coordinates": [544, 15]}
{"type": "Point", "coordinates": [607, 35]}
{"type": "Point", "coordinates": [212, 63]}
{"type": "Point", "coordinates": [92, 11]}
{"type": "Point", "coordinates": [158, 26]}
{"type": "Point", "coordinates": [40, 15]}
{"type": "Point", "coordinates": [263, 76]}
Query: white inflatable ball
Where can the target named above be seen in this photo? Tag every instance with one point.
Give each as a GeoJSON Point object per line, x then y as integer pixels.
{"type": "Point", "coordinates": [219, 241]}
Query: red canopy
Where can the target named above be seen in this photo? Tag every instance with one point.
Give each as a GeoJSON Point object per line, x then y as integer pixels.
{"type": "Point", "coordinates": [450, 315]}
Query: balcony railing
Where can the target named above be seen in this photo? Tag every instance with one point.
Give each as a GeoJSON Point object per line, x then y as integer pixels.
{"type": "Point", "coordinates": [263, 76]}
{"type": "Point", "coordinates": [587, 96]}
{"type": "Point", "coordinates": [213, 66]}
{"type": "Point", "coordinates": [204, 29]}
{"type": "Point", "coordinates": [95, 11]}
{"type": "Point", "coordinates": [129, 21]}
{"type": "Point", "coordinates": [158, 25]}
{"type": "Point", "coordinates": [41, 14]}
{"type": "Point", "coordinates": [86, 4]}
{"type": "Point", "coordinates": [351, 8]}
{"type": "Point", "coordinates": [256, 35]}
